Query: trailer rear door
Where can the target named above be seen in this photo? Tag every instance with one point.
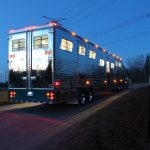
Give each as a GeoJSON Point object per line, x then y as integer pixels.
{"type": "Point", "coordinates": [31, 59]}
{"type": "Point", "coordinates": [42, 59]}
{"type": "Point", "coordinates": [17, 60]}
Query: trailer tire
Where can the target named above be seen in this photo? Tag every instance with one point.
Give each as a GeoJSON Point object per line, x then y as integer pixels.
{"type": "Point", "coordinates": [81, 99]}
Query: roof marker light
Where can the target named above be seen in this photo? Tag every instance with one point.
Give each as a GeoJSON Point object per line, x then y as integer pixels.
{"type": "Point", "coordinates": [104, 50]}
{"type": "Point", "coordinates": [86, 40]}
{"type": "Point", "coordinates": [12, 30]}
{"type": "Point", "coordinates": [73, 33]}
{"type": "Point", "coordinates": [52, 24]}
{"type": "Point", "coordinates": [96, 45]}
{"type": "Point", "coordinates": [31, 27]}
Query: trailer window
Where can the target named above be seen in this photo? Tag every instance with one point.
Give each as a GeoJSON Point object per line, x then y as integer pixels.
{"type": "Point", "coordinates": [41, 41]}
{"type": "Point", "coordinates": [117, 64]}
{"type": "Point", "coordinates": [66, 45]}
{"type": "Point", "coordinates": [18, 45]}
{"type": "Point", "coordinates": [101, 62]}
{"type": "Point", "coordinates": [107, 66]}
{"type": "Point", "coordinates": [112, 65]}
{"type": "Point", "coordinates": [81, 50]}
{"type": "Point", "coordinates": [92, 54]}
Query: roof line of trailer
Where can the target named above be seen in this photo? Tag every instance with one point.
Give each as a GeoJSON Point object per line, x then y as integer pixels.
{"type": "Point", "coordinates": [95, 45]}
{"type": "Point", "coordinates": [54, 24]}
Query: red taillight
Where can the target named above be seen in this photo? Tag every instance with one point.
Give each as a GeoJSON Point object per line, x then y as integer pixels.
{"type": "Point", "coordinates": [57, 83]}
{"type": "Point", "coordinates": [50, 95]}
{"type": "Point", "coordinates": [47, 94]}
{"type": "Point", "coordinates": [52, 98]}
{"type": "Point", "coordinates": [12, 94]}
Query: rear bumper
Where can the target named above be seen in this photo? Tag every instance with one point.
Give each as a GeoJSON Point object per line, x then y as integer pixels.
{"type": "Point", "coordinates": [32, 95]}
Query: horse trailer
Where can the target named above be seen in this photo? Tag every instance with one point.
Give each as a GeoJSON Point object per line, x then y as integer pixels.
{"type": "Point", "coordinates": [50, 64]}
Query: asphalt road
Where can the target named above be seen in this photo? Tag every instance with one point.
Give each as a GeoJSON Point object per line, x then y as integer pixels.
{"type": "Point", "coordinates": [26, 126]}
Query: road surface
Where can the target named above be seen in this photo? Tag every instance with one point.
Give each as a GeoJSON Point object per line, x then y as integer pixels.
{"type": "Point", "coordinates": [27, 126]}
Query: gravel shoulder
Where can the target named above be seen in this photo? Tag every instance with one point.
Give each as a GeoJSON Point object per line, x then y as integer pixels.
{"type": "Point", "coordinates": [121, 126]}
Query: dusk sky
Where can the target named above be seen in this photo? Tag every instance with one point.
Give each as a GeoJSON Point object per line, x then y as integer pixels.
{"type": "Point", "coordinates": [120, 26]}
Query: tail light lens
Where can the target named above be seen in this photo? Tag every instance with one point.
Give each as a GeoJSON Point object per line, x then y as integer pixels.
{"type": "Point", "coordinates": [50, 95]}
{"type": "Point", "coordinates": [12, 94]}
{"type": "Point", "coordinates": [57, 83]}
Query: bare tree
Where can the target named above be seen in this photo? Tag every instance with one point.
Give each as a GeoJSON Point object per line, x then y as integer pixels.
{"type": "Point", "coordinates": [136, 68]}
{"type": "Point", "coordinates": [147, 67]}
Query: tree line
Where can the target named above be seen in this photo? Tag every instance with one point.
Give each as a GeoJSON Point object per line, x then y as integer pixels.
{"type": "Point", "coordinates": [138, 68]}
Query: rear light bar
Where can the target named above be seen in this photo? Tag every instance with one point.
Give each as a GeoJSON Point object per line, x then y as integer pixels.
{"type": "Point", "coordinates": [12, 94]}
{"type": "Point", "coordinates": [50, 95]}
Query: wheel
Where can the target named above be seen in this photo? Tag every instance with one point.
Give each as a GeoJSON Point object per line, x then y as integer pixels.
{"type": "Point", "coordinates": [89, 96]}
{"type": "Point", "coordinates": [81, 99]}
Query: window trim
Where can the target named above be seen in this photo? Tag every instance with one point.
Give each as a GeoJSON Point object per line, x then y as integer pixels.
{"type": "Point", "coordinates": [102, 64]}
{"type": "Point", "coordinates": [119, 65]}
{"type": "Point", "coordinates": [112, 64]}
{"type": "Point", "coordinates": [66, 47]}
{"type": "Point", "coordinates": [19, 43]}
{"type": "Point", "coordinates": [91, 56]}
{"type": "Point", "coordinates": [41, 39]}
{"type": "Point", "coordinates": [81, 52]}
{"type": "Point", "coordinates": [108, 67]}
